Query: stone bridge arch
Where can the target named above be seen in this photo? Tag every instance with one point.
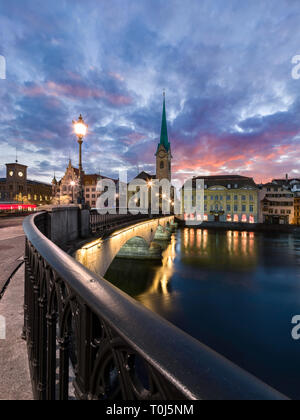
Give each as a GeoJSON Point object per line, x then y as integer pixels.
{"type": "Point", "coordinates": [98, 255]}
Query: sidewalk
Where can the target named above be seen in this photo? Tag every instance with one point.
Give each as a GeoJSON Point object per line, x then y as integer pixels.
{"type": "Point", "coordinates": [15, 381]}
{"type": "Point", "coordinates": [12, 244]}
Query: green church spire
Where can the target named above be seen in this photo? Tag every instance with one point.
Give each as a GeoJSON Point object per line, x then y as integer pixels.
{"type": "Point", "coordinates": [164, 140]}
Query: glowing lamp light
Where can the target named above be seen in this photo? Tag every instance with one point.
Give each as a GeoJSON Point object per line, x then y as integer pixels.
{"type": "Point", "coordinates": [73, 183]}
{"type": "Point", "coordinates": [80, 127]}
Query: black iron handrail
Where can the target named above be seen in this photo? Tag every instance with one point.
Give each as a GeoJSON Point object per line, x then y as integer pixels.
{"type": "Point", "coordinates": [89, 339]}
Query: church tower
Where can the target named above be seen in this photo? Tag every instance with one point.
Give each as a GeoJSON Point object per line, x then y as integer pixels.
{"type": "Point", "coordinates": [163, 154]}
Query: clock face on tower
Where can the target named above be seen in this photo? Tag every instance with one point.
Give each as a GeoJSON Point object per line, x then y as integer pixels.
{"type": "Point", "coordinates": [21, 174]}
{"type": "Point", "coordinates": [161, 154]}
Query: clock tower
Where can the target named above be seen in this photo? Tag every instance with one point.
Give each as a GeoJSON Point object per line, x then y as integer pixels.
{"type": "Point", "coordinates": [16, 180]}
{"type": "Point", "coordinates": [163, 154]}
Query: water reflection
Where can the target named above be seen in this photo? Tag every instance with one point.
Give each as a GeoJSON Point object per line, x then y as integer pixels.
{"type": "Point", "coordinates": [234, 291]}
{"type": "Point", "coordinates": [219, 250]}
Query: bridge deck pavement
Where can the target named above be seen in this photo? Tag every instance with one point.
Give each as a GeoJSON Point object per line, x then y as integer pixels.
{"type": "Point", "coordinates": [15, 381]}
{"type": "Point", "coordinates": [12, 243]}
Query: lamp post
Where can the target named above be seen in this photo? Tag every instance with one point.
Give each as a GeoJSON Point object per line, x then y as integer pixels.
{"type": "Point", "coordinates": [80, 129]}
{"type": "Point", "coordinates": [72, 185]}
{"type": "Point", "coordinates": [150, 185]}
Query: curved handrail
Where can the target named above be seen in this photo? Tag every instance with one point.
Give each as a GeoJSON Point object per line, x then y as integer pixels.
{"type": "Point", "coordinates": [196, 371]}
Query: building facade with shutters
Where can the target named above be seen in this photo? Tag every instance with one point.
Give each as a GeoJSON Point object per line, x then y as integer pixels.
{"type": "Point", "coordinates": [227, 198]}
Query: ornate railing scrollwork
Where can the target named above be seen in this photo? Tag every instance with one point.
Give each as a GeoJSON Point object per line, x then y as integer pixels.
{"type": "Point", "coordinates": [88, 340]}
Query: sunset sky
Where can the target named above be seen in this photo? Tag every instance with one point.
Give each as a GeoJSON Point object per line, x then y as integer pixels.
{"type": "Point", "coordinates": [232, 104]}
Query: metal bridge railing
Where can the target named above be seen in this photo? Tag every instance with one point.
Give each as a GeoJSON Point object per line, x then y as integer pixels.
{"type": "Point", "coordinates": [88, 340]}
{"type": "Point", "coordinates": [102, 222]}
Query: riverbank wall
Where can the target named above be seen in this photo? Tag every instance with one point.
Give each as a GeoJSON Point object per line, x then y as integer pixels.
{"type": "Point", "coordinates": [242, 227]}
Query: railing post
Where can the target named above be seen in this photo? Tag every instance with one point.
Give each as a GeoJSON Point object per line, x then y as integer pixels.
{"type": "Point", "coordinates": [51, 355]}
{"type": "Point", "coordinates": [84, 355]}
{"type": "Point", "coordinates": [64, 364]}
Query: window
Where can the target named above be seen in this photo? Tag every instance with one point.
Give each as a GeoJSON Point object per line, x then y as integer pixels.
{"type": "Point", "coordinates": [229, 186]}
{"type": "Point", "coordinates": [235, 208]}
{"type": "Point", "coordinates": [216, 197]}
{"type": "Point", "coordinates": [243, 197]}
{"type": "Point", "coordinates": [251, 208]}
{"type": "Point", "coordinates": [243, 207]}
{"type": "Point", "coordinates": [235, 198]}
{"type": "Point", "coordinates": [228, 198]}
{"type": "Point", "coordinates": [251, 198]}
{"type": "Point", "coordinates": [228, 207]}
{"type": "Point", "coordinates": [162, 165]}
{"type": "Point", "coordinates": [235, 185]}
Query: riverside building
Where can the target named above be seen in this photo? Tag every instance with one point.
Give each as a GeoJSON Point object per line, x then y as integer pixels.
{"type": "Point", "coordinates": [227, 198]}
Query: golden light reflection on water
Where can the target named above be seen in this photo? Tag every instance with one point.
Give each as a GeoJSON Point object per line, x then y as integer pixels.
{"type": "Point", "coordinates": [219, 249]}
{"type": "Point", "coordinates": [161, 280]}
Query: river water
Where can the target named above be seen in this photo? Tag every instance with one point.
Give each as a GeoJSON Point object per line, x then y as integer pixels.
{"type": "Point", "coordinates": [236, 292]}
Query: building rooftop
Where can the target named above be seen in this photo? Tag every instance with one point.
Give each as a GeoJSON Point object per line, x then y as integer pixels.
{"type": "Point", "coordinates": [226, 180]}
{"type": "Point", "coordinates": [145, 176]}
{"type": "Point", "coordinates": [33, 182]}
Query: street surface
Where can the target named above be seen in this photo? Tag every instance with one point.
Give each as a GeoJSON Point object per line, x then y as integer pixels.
{"type": "Point", "coordinates": [12, 243]}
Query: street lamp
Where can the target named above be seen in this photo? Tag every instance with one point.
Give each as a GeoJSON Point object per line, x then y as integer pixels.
{"type": "Point", "coordinates": [80, 129]}
{"type": "Point", "coordinates": [150, 185]}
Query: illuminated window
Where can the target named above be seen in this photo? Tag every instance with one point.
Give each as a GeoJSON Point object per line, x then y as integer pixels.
{"type": "Point", "coordinates": [244, 218]}
{"type": "Point", "coordinates": [229, 218]}
{"type": "Point", "coordinates": [251, 219]}
{"type": "Point", "coordinates": [205, 218]}
{"type": "Point", "coordinates": [236, 218]}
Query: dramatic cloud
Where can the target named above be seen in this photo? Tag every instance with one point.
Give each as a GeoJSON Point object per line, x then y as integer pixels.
{"type": "Point", "coordinates": [232, 104]}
